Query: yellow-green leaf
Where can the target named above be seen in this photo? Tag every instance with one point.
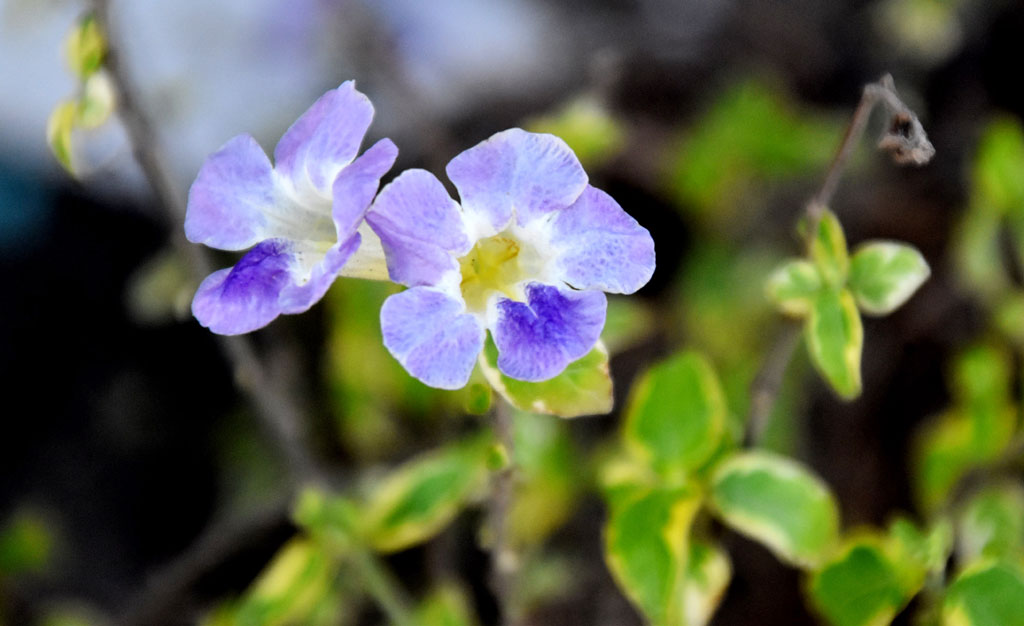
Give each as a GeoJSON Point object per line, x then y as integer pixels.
{"type": "Point", "coordinates": [778, 502]}
{"type": "Point", "coordinates": [835, 338]}
{"type": "Point", "coordinates": [58, 133]}
{"type": "Point", "coordinates": [647, 548]}
{"type": "Point", "coordinates": [861, 586]}
{"type": "Point", "coordinates": [85, 47]}
{"type": "Point", "coordinates": [421, 497]}
{"type": "Point", "coordinates": [676, 415]}
{"type": "Point", "coordinates": [96, 102]}
{"type": "Point", "coordinates": [987, 594]}
{"type": "Point", "coordinates": [794, 287]}
{"type": "Point", "coordinates": [708, 572]}
{"type": "Point", "coordinates": [828, 250]}
{"type": "Point", "coordinates": [587, 126]}
{"type": "Point", "coordinates": [584, 388]}
{"type": "Point", "coordinates": [448, 605]}
{"type": "Point", "coordinates": [991, 523]}
{"type": "Point", "coordinates": [884, 274]}
{"type": "Point", "coordinates": [296, 588]}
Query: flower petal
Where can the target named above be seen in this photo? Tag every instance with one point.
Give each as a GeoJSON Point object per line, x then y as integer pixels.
{"type": "Point", "coordinates": [245, 297]}
{"type": "Point", "coordinates": [356, 185]}
{"type": "Point", "coordinates": [537, 339]}
{"type": "Point", "coordinates": [432, 336]}
{"type": "Point", "coordinates": [600, 246]}
{"type": "Point", "coordinates": [529, 173]}
{"type": "Point", "coordinates": [420, 227]}
{"type": "Point", "coordinates": [296, 298]}
{"type": "Point", "coordinates": [227, 201]}
{"type": "Point", "coordinates": [325, 138]}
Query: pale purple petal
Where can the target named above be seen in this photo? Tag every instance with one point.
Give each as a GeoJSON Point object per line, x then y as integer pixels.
{"type": "Point", "coordinates": [600, 246]}
{"type": "Point", "coordinates": [245, 297]}
{"type": "Point", "coordinates": [537, 339]}
{"type": "Point", "coordinates": [326, 137]}
{"type": "Point", "coordinates": [529, 173]}
{"type": "Point", "coordinates": [432, 336]}
{"type": "Point", "coordinates": [227, 200]}
{"type": "Point", "coordinates": [420, 228]}
{"type": "Point", "coordinates": [296, 298]}
{"type": "Point", "coordinates": [356, 185]}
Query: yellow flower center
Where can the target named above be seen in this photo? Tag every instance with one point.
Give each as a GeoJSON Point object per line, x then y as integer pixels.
{"type": "Point", "coordinates": [494, 264]}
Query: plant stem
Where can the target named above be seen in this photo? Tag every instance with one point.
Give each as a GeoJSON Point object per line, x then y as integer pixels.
{"type": "Point", "coordinates": [906, 142]}
{"type": "Point", "coordinates": [504, 560]}
{"type": "Point", "coordinates": [382, 587]}
{"type": "Point", "coordinates": [274, 403]}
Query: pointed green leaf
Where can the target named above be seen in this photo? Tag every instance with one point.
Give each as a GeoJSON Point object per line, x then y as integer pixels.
{"type": "Point", "coordinates": [676, 415]}
{"type": "Point", "coordinates": [884, 274]}
{"type": "Point", "coordinates": [584, 388]}
{"type": "Point", "coordinates": [85, 47]}
{"type": "Point", "coordinates": [828, 250]}
{"type": "Point", "coordinates": [420, 498]}
{"type": "Point", "coordinates": [997, 180]}
{"type": "Point", "coordinates": [992, 523]}
{"type": "Point", "coordinates": [835, 337]}
{"type": "Point", "coordinates": [296, 588]}
{"type": "Point", "coordinates": [647, 547]}
{"type": "Point", "coordinates": [708, 572]}
{"type": "Point", "coordinates": [862, 585]}
{"type": "Point", "coordinates": [58, 133]}
{"type": "Point", "coordinates": [794, 287]}
{"type": "Point", "coordinates": [988, 594]}
{"type": "Point", "coordinates": [778, 502]}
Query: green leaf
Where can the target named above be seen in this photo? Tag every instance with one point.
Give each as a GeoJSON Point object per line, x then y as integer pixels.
{"type": "Point", "coordinates": [794, 287]}
{"type": "Point", "coordinates": [647, 547]}
{"type": "Point", "coordinates": [548, 479]}
{"type": "Point", "coordinates": [997, 180]}
{"type": "Point", "coordinates": [828, 250]}
{"type": "Point", "coordinates": [1009, 316]}
{"type": "Point", "coordinates": [676, 415]}
{"type": "Point", "coordinates": [708, 572]}
{"type": "Point", "coordinates": [862, 586]}
{"type": "Point", "coordinates": [421, 497]}
{"type": "Point", "coordinates": [778, 502]}
{"type": "Point", "coordinates": [587, 126]}
{"type": "Point", "coordinates": [584, 388]}
{"type": "Point", "coordinates": [85, 47]}
{"type": "Point", "coordinates": [915, 550]}
{"type": "Point", "coordinates": [26, 544]}
{"type": "Point", "coordinates": [448, 605]}
{"type": "Point", "coordinates": [835, 337]}
{"type": "Point", "coordinates": [884, 274]}
{"type": "Point", "coordinates": [58, 133]}
{"type": "Point", "coordinates": [296, 588]}
{"type": "Point", "coordinates": [991, 523]}
{"type": "Point", "coordinates": [988, 594]}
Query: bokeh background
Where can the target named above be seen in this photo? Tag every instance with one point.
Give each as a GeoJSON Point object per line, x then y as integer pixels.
{"type": "Point", "coordinates": [711, 122]}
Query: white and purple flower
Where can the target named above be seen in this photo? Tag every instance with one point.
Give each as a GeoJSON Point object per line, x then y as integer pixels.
{"type": "Point", "coordinates": [299, 216]}
{"type": "Point", "coordinates": [527, 255]}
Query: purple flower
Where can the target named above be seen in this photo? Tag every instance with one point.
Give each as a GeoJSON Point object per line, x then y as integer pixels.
{"type": "Point", "coordinates": [300, 216]}
{"type": "Point", "coordinates": [527, 255]}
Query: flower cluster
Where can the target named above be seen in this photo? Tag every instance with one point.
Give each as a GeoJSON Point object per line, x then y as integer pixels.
{"type": "Point", "coordinates": [527, 254]}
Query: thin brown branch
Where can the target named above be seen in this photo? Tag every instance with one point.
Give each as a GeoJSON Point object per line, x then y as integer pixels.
{"type": "Point", "coordinates": [906, 142]}
{"type": "Point", "coordinates": [274, 404]}
{"type": "Point", "coordinates": [504, 559]}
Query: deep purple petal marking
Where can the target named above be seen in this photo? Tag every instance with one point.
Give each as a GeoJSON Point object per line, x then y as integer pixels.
{"type": "Point", "coordinates": [601, 246]}
{"type": "Point", "coordinates": [326, 137]}
{"type": "Point", "coordinates": [432, 336]}
{"type": "Point", "coordinates": [537, 339]}
{"type": "Point", "coordinates": [420, 228]}
{"type": "Point", "coordinates": [530, 173]}
{"type": "Point", "coordinates": [227, 199]}
{"type": "Point", "coordinates": [356, 185]}
{"type": "Point", "coordinates": [243, 298]}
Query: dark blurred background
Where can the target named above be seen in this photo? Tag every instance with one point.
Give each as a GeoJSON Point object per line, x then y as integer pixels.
{"type": "Point", "coordinates": [123, 435]}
